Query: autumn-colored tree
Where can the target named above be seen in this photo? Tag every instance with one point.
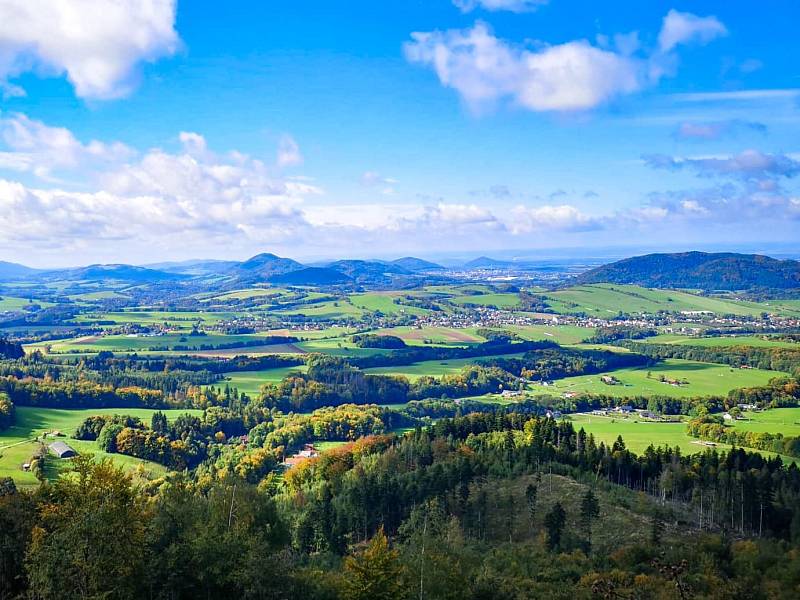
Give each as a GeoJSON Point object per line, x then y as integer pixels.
{"type": "Point", "coordinates": [90, 540]}
{"type": "Point", "coordinates": [375, 573]}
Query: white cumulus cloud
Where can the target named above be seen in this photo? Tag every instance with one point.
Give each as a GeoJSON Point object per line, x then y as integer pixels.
{"type": "Point", "coordinates": [484, 69]}
{"type": "Point", "coordinates": [572, 76]}
{"type": "Point", "coordinates": [683, 27]}
{"type": "Point", "coordinates": [562, 217]}
{"type": "Point", "coordinates": [33, 146]}
{"type": "Point", "coordinates": [97, 44]}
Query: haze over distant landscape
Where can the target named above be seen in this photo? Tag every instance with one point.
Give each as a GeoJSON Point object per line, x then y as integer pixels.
{"type": "Point", "coordinates": [435, 300]}
{"type": "Point", "coordinates": [182, 131]}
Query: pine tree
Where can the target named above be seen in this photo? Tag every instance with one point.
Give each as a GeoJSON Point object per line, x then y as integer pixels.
{"type": "Point", "coordinates": [590, 510]}
{"type": "Point", "coordinates": [554, 522]}
{"type": "Point", "coordinates": [531, 492]}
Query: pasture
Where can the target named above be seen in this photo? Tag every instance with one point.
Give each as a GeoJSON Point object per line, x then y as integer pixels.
{"type": "Point", "coordinates": [757, 341]}
{"type": "Point", "coordinates": [328, 310]}
{"type": "Point", "coordinates": [703, 379]}
{"type": "Point", "coordinates": [386, 303]}
{"type": "Point", "coordinates": [774, 420]}
{"type": "Point", "coordinates": [638, 434]}
{"type": "Point", "coordinates": [137, 343]}
{"type": "Point", "coordinates": [250, 382]}
{"type": "Point", "coordinates": [11, 303]}
{"type": "Point", "coordinates": [499, 300]}
{"type": "Point", "coordinates": [603, 300]}
{"type": "Point", "coordinates": [434, 368]}
{"type": "Point", "coordinates": [18, 443]}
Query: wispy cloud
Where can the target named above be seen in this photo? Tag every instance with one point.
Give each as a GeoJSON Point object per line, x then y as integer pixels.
{"type": "Point", "coordinates": [517, 6]}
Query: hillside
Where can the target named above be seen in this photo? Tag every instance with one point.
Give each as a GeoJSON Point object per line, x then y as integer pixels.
{"type": "Point", "coordinates": [484, 262]}
{"type": "Point", "coordinates": [411, 263]}
{"type": "Point", "coordinates": [368, 271]}
{"type": "Point", "coordinates": [9, 270]}
{"type": "Point", "coordinates": [265, 266]}
{"type": "Point", "coordinates": [698, 270]}
{"type": "Point", "coordinates": [311, 276]}
{"type": "Point", "coordinates": [112, 272]}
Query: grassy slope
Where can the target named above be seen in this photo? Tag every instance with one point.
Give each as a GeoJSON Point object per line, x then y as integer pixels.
{"type": "Point", "coordinates": [16, 446]}
{"type": "Point", "coordinates": [250, 382]}
{"type": "Point", "coordinates": [638, 435]}
{"type": "Point", "coordinates": [737, 340]}
{"type": "Point", "coordinates": [705, 379]}
{"type": "Point", "coordinates": [436, 368]}
{"type": "Point", "coordinates": [776, 420]}
{"type": "Point", "coordinates": [603, 300]}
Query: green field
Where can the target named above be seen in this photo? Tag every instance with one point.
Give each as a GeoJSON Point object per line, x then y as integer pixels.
{"type": "Point", "coordinates": [330, 310]}
{"type": "Point", "coordinates": [721, 341]}
{"type": "Point", "coordinates": [10, 303]}
{"type": "Point", "coordinates": [385, 303]}
{"type": "Point", "coordinates": [774, 420]}
{"type": "Point", "coordinates": [500, 300]}
{"type": "Point", "coordinates": [705, 379]}
{"type": "Point", "coordinates": [607, 299]}
{"type": "Point", "coordinates": [132, 343]}
{"type": "Point", "coordinates": [638, 435]}
{"type": "Point", "coordinates": [183, 320]}
{"type": "Point", "coordinates": [250, 382]}
{"type": "Point", "coordinates": [435, 368]}
{"type": "Point", "coordinates": [17, 444]}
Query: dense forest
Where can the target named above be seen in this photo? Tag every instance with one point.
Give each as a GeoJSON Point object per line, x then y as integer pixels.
{"type": "Point", "coordinates": [497, 505]}
{"type": "Point", "coordinates": [699, 270]}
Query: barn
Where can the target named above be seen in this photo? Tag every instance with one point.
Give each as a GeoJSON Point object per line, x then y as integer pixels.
{"type": "Point", "coordinates": [62, 450]}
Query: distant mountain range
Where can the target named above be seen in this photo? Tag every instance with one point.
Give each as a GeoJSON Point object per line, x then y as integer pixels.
{"type": "Point", "coordinates": [261, 268]}
{"type": "Point", "coordinates": [116, 272]}
{"type": "Point", "coordinates": [698, 270]}
{"type": "Point", "coordinates": [416, 265]}
{"type": "Point", "coordinates": [10, 270]}
{"type": "Point", "coordinates": [484, 262]}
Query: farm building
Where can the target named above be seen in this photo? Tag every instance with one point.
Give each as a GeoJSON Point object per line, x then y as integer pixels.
{"type": "Point", "coordinates": [62, 450]}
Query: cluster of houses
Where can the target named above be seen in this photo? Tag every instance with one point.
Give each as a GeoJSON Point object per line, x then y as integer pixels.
{"type": "Point", "coordinates": [308, 451]}
{"type": "Point", "coordinates": [626, 411]}
{"type": "Point", "coordinates": [729, 417]}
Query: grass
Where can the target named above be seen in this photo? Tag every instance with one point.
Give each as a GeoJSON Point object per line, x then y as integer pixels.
{"type": "Point", "coordinates": [500, 300]}
{"type": "Point", "coordinates": [94, 296]}
{"type": "Point", "coordinates": [435, 368]}
{"type": "Point", "coordinates": [385, 303]}
{"type": "Point", "coordinates": [184, 320]}
{"type": "Point", "coordinates": [765, 341]}
{"type": "Point", "coordinates": [250, 382]}
{"type": "Point", "coordinates": [342, 346]}
{"type": "Point", "coordinates": [705, 379]}
{"type": "Point", "coordinates": [330, 310]}
{"type": "Point", "coordinates": [608, 299]}
{"type": "Point", "coordinates": [774, 420]}
{"type": "Point", "coordinates": [17, 443]}
{"type": "Point", "coordinates": [126, 343]}
{"type": "Point", "coordinates": [10, 303]}
{"type": "Point", "coordinates": [638, 435]}
{"type": "Point", "coordinates": [414, 336]}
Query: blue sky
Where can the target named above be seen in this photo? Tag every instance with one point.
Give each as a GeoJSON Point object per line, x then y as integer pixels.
{"type": "Point", "coordinates": [146, 130]}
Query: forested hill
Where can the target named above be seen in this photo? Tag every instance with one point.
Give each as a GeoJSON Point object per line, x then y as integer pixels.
{"type": "Point", "coordinates": [700, 270]}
